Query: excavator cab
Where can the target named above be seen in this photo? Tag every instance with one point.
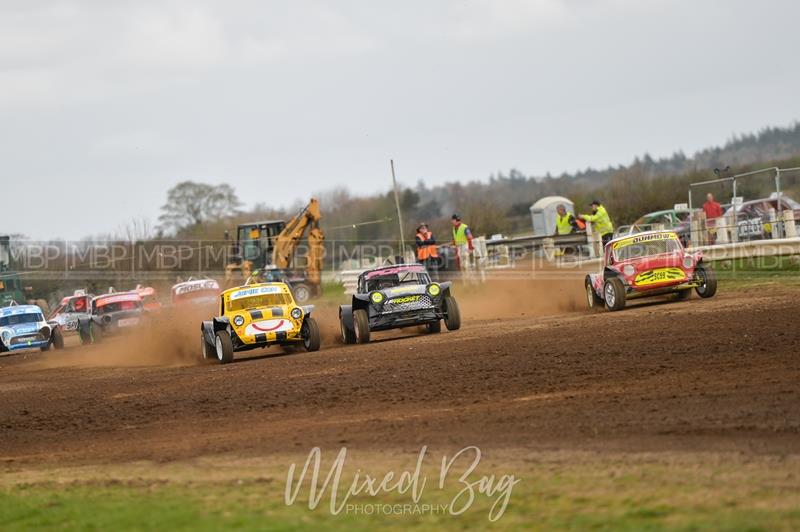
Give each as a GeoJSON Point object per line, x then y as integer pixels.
{"type": "Point", "coordinates": [256, 241]}
{"type": "Point", "coordinates": [270, 247]}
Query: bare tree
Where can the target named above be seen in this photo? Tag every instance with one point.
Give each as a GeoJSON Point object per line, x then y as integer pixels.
{"type": "Point", "coordinates": [135, 230]}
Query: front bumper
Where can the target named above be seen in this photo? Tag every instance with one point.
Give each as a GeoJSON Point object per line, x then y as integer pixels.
{"type": "Point", "coordinates": [266, 340]}
{"type": "Point", "coordinates": [633, 292]}
{"type": "Point", "coordinates": [409, 318]}
{"type": "Point", "coordinates": [27, 342]}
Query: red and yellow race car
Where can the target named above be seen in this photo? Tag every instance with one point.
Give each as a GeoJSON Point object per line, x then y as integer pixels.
{"type": "Point", "coordinates": [648, 264]}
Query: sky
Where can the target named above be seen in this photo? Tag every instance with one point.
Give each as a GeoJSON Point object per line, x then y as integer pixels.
{"type": "Point", "coordinates": [106, 105]}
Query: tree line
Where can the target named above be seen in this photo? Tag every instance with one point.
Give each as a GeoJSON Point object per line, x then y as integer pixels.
{"type": "Point", "coordinates": [499, 204]}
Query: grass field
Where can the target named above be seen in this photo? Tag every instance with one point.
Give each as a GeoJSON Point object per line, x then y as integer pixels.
{"type": "Point", "coordinates": [673, 491]}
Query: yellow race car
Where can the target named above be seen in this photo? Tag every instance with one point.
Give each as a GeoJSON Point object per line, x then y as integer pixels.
{"type": "Point", "coordinates": [258, 315]}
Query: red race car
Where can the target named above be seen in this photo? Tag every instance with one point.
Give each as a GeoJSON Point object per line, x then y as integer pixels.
{"type": "Point", "coordinates": [648, 264]}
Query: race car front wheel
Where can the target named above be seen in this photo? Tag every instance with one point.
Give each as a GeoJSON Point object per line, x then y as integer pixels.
{"type": "Point", "coordinates": [361, 326]}
{"type": "Point", "coordinates": [310, 333]}
{"type": "Point", "coordinates": [56, 340]}
{"type": "Point", "coordinates": [224, 347]}
{"type": "Point", "coordinates": [348, 334]}
{"type": "Point", "coordinates": [707, 281]}
{"type": "Point", "coordinates": [452, 314]}
{"type": "Point", "coordinates": [614, 293]}
{"type": "Point", "coordinates": [92, 334]}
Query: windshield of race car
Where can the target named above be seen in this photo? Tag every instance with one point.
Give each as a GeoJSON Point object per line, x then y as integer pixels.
{"type": "Point", "coordinates": [645, 248]}
{"type": "Point", "coordinates": [18, 319]}
{"type": "Point", "coordinates": [261, 300]}
{"type": "Point", "coordinates": [116, 306]}
{"type": "Point", "coordinates": [382, 282]}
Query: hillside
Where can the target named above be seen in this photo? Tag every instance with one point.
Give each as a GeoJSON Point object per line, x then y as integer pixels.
{"type": "Point", "coordinates": [500, 203]}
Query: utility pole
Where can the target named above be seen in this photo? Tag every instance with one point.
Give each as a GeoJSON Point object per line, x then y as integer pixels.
{"type": "Point", "coordinates": [399, 214]}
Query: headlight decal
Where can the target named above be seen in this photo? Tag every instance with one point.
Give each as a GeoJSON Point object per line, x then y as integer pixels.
{"type": "Point", "coordinates": [377, 297]}
{"type": "Point", "coordinates": [434, 289]}
{"type": "Point", "coordinates": [297, 313]}
{"type": "Point", "coordinates": [238, 320]}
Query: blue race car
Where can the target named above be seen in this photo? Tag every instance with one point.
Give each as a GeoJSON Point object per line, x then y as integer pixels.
{"type": "Point", "coordinates": [24, 327]}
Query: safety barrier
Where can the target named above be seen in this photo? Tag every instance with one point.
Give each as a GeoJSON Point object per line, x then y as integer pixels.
{"type": "Point", "coordinates": [349, 279]}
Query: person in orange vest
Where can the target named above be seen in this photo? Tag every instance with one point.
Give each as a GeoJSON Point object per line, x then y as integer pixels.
{"type": "Point", "coordinates": [427, 252]}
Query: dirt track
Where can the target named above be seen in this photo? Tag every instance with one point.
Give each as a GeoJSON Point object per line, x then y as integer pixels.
{"type": "Point", "coordinates": [717, 375]}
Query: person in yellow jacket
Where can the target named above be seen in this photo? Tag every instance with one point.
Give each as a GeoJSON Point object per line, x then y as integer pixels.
{"type": "Point", "coordinates": [462, 240]}
{"type": "Point", "coordinates": [601, 221]}
{"type": "Point", "coordinates": [565, 224]}
{"type": "Point", "coordinates": [565, 221]}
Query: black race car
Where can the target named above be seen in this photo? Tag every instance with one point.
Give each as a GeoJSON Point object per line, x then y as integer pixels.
{"type": "Point", "coordinates": [397, 296]}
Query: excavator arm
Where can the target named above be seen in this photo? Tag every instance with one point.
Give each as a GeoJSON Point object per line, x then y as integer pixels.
{"type": "Point", "coordinates": [286, 242]}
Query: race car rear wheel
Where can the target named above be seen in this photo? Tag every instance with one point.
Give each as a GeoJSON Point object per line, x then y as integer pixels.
{"type": "Point", "coordinates": [310, 333]}
{"type": "Point", "coordinates": [707, 279]}
{"type": "Point", "coordinates": [592, 299]}
{"type": "Point", "coordinates": [301, 293]}
{"type": "Point", "coordinates": [614, 293]}
{"type": "Point", "coordinates": [452, 314]}
{"type": "Point", "coordinates": [361, 326]}
{"type": "Point", "coordinates": [682, 295]}
{"type": "Point", "coordinates": [208, 350]}
{"type": "Point", "coordinates": [224, 347]}
{"type": "Point", "coordinates": [434, 327]}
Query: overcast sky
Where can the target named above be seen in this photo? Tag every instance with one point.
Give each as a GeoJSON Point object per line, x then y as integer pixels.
{"type": "Point", "coordinates": [105, 105]}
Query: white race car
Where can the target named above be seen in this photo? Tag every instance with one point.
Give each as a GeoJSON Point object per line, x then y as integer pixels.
{"type": "Point", "coordinates": [71, 310]}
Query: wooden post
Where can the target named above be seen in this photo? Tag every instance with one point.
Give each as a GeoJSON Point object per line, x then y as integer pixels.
{"type": "Point", "coordinates": [590, 240]}
{"type": "Point", "coordinates": [694, 230]}
{"type": "Point", "coordinates": [549, 248]}
{"type": "Point", "coordinates": [399, 213]}
{"type": "Point", "coordinates": [722, 229]}
{"type": "Point", "coordinates": [702, 225]}
{"type": "Point", "coordinates": [773, 223]}
{"type": "Point", "coordinates": [789, 227]}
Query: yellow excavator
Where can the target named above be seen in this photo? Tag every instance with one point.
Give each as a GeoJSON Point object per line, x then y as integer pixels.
{"type": "Point", "coordinates": [267, 251]}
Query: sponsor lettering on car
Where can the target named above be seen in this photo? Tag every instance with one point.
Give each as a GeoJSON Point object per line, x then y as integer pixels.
{"type": "Point", "coordinates": [250, 292]}
{"type": "Point", "coordinates": [638, 239]}
{"type": "Point", "coordinates": [406, 299]}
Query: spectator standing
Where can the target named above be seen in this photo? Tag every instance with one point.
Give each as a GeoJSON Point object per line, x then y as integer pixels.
{"type": "Point", "coordinates": [713, 210]}
{"type": "Point", "coordinates": [427, 253]}
{"type": "Point", "coordinates": [601, 221]}
{"type": "Point", "coordinates": [462, 240]}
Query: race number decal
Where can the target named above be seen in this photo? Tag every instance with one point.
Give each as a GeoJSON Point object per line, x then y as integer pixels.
{"type": "Point", "coordinates": [661, 275]}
